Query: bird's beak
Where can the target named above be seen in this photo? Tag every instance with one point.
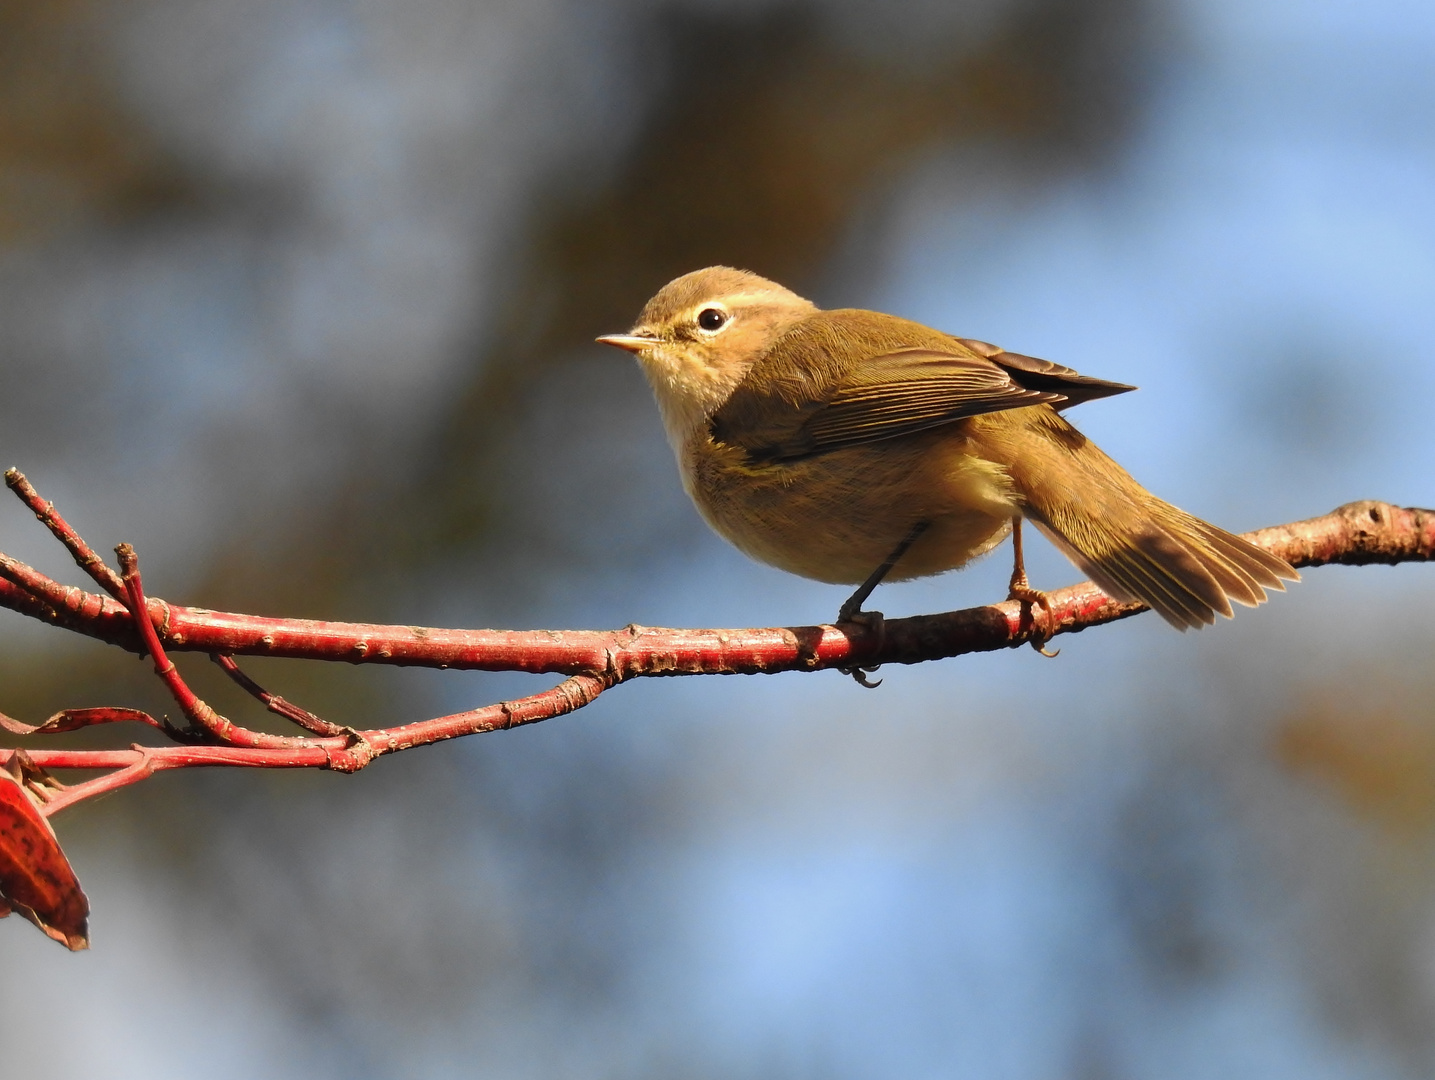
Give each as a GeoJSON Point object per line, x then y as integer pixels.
{"type": "Point", "coordinates": [632, 342]}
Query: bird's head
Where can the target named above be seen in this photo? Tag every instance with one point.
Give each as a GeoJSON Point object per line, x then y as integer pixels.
{"type": "Point", "coordinates": [700, 334]}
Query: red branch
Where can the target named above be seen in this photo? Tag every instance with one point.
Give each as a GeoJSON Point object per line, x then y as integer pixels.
{"type": "Point", "coordinates": [1356, 534]}
{"type": "Point", "coordinates": [139, 762]}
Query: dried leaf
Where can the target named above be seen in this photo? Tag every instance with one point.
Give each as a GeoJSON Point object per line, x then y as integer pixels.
{"type": "Point", "coordinates": [74, 719]}
{"type": "Point", "coordinates": [36, 880]}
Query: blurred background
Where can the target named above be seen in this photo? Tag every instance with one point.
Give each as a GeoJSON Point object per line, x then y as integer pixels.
{"type": "Point", "coordinates": [298, 297]}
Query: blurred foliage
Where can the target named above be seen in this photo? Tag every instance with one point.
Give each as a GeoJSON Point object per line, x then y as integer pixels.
{"type": "Point", "coordinates": [1365, 740]}
{"type": "Point", "coordinates": [70, 153]}
{"type": "Point", "coordinates": [1371, 740]}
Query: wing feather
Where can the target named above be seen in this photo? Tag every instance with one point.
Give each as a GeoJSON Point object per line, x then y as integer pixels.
{"type": "Point", "coordinates": [887, 396]}
{"type": "Point", "coordinates": [843, 378]}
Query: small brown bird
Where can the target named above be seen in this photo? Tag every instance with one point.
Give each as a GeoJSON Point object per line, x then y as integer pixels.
{"type": "Point", "coordinates": [851, 446]}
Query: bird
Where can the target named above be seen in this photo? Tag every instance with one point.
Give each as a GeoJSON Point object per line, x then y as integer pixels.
{"type": "Point", "coordinates": [853, 446]}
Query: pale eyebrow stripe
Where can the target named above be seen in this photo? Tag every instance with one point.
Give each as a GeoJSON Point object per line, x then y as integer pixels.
{"type": "Point", "coordinates": [730, 301]}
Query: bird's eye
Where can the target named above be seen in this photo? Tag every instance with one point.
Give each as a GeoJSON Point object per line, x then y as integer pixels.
{"type": "Point", "coordinates": [711, 319]}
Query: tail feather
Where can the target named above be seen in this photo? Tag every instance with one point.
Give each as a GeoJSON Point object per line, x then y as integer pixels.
{"type": "Point", "coordinates": [1244, 570]}
{"type": "Point", "coordinates": [1132, 544]}
{"type": "Point", "coordinates": [1235, 583]}
{"type": "Point", "coordinates": [1152, 567]}
{"type": "Point", "coordinates": [1229, 567]}
{"type": "Point", "coordinates": [1263, 568]}
{"type": "Point", "coordinates": [1186, 575]}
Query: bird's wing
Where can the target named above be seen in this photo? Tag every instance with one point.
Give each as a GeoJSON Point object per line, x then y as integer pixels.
{"type": "Point", "coordinates": [1038, 374]}
{"type": "Point", "coordinates": [914, 389]}
{"type": "Point", "coordinates": [882, 397]}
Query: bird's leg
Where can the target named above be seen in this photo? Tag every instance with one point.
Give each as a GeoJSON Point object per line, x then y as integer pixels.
{"type": "Point", "coordinates": [1020, 589]}
{"type": "Point", "coordinates": [852, 610]}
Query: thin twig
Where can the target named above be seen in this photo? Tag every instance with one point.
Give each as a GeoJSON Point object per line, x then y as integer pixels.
{"type": "Point", "coordinates": [273, 702]}
{"type": "Point", "coordinates": [139, 762]}
{"type": "Point", "coordinates": [83, 554]}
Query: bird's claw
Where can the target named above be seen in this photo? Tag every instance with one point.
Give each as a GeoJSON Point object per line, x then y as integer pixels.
{"type": "Point", "coordinates": [859, 675]}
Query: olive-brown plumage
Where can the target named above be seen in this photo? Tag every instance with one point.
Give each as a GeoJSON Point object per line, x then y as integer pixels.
{"type": "Point", "coordinates": [829, 443]}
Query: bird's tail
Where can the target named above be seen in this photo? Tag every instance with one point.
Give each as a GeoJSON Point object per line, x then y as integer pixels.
{"type": "Point", "coordinates": [1132, 544]}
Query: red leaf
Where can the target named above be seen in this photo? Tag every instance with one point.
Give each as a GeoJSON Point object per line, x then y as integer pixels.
{"type": "Point", "coordinates": [74, 719]}
{"type": "Point", "coordinates": [36, 879]}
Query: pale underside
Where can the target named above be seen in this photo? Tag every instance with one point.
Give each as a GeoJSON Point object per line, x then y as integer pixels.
{"type": "Point", "coordinates": [837, 516]}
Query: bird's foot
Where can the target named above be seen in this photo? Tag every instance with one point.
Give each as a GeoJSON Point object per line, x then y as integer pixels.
{"type": "Point", "coordinates": [876, 624]}
{"type": "Point", "coordinates": [1021, 591]}
{"type": "Point", "coordinates": [851, 612]}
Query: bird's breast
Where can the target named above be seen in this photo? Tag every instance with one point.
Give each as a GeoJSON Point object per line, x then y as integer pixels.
{"type": "Point", "coordinates": [836, 516]}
